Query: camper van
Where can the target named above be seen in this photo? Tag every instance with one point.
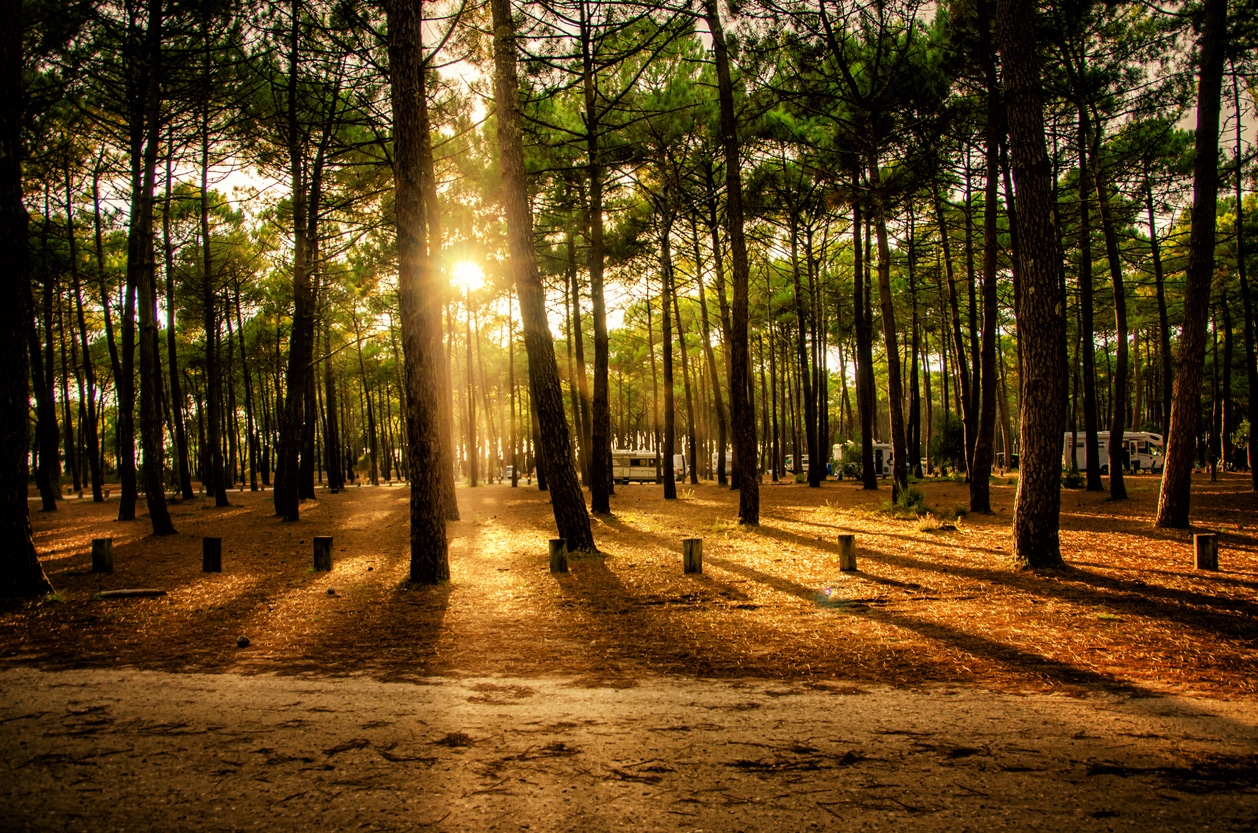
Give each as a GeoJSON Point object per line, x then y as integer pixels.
{"type": "Point", "coordinates": [852, 451]}
{"type": "Point", "coordinates": [630, 466]}
{"type": "Point", "coordinates": [1144, 451]}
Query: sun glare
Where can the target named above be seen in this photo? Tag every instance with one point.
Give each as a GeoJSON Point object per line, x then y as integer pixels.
{"type": "Point", "coordinates": [468, 275]}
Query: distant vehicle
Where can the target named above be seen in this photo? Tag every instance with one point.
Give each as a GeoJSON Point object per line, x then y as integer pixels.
{"type": "Point", "coordinates": [1145, 451]}
{"type": "Point", "coordinates": [853, 468]}
{"type": "Point", "coordinates": [729, 461]}
{"type": "Point", "coordinates": [632, 466]}
{"type": "Point", "coordinates": [788, 462]}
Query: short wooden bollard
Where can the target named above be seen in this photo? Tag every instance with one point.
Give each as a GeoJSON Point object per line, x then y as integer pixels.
{"type": "Point", "coordinates": [323, 552]}
{"type": "Point", "coordinates": [211, 555]}
{"type": "Point", "coordinates": [102, 555]}
{"type": "Point", "coordinates": [692, 555]}
{"type": "Point", "coordinates": [847, 551]}
{"type": "Point", "coordinates": [1206, 547]}
{"type": "Point", "coordinates": [558, 555]}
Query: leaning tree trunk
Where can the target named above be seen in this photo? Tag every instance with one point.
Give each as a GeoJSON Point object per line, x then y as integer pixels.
{"type": "Point", "coordinates": [1181, 441]}
{"type": "Point", "coordinates": [1041, 305]}
{"type": "Point", "coordinates": [555, 458]}
{"type": "Point", "coordinates": [20, 571]}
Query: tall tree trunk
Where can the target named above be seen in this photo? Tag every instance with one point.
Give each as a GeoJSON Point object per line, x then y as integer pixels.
{"type": "Point", "coordinates": [692, 449]}
{"type": "Point", "coordinates": [1176, 492]}
{"type": "Point", "coordinates": [741, 409]}
{"type": "Point", "coordinates": [864, 352]}
{"type": "Point", "coordinates": [958, 340]}
{"type": "Point", "coordinates": [1092, 458]}
{"type": "Point", "coordinates": [215, 474]}
{"type": "Point", "coordinates": [1118, 421]}
{"type": "Point", "coordinates": [1041, 306]}
{"type": "Point", "coordinates": [250, 422]}
{"type": "Point", "coordinates": [287, 494]}
{"type": "Point", "coordinates": [717, 397]}
{"type": "Point", "coordinates": [986, 390]}
{"type": "Point", "coordinates": [48, 465]}
{"type": "Point", "coordinates": [91, 437]}
{"type": "Point", "coordinates": [1164, 325]}
{"type": "Point", "coordinates": [172, 355]}
{"type": "Point", "coordinates": [666, 309]}
{"type": "Point", "coordinates": [20, 570]}
{"type": "Point", "coordinates": [571, 517]}
{"type": "Point", "coordinates": [895, 382]}
{"type": "Point", "coordinates": [420, 302]}
{"type": "Point", "coordinates": [801, 349]}
{"type": "Point", "coordinates": [1251, 359]}
{"type": "Point", "coordinates": [601, 486]}
{"type": "Point", "coordinates": [141, 271]}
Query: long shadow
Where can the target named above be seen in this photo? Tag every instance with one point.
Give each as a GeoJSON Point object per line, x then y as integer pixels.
{"type": "Point", "coordinates": [1162, 602]}
{"type": "Point", "coordinates": [1016, 658]}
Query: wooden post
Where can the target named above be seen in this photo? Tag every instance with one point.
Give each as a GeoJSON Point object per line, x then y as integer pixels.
{"type": "Point", "coordinates": [211, 555]}
{"type": "Point", "coordinates": [102, 555]}
{"type": "Point", "coordinates": [1206, 547]}
{"type": "Point", "coordinates": [847, 551]}
{"type": "Point", "coordinates": [558, 555]}
{"type": "Point", "coordinates": [323, 552]}
{"type": "Point", "coordinates": [692, 555]}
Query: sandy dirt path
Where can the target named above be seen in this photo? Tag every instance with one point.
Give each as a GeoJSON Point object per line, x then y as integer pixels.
{"type": "Point", "coordinates": [127, 749]}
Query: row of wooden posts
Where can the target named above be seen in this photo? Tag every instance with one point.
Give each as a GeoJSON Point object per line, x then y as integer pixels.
{"type": "Point", "coordinates": [1205, 549]}
{"type": "Point", "coordinates": [692, 554]}
{"type": "Point", "coordinates": [211, 554]}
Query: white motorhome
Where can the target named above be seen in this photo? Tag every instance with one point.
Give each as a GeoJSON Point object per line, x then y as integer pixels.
{"type": "Point", "coordinates": [882, 459]}
{"type": "Point", "coordinates": [1144, 451]}
{"type": "Point", "coordinates": [632, 466]}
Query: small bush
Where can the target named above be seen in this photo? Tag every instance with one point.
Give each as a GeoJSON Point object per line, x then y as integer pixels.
{"type": "Point", "coordinates": [801, 478]}
{"type": "Point", "coordinates": [913, 500]}
{"type": "Point", "coordinates": [1073, 479]}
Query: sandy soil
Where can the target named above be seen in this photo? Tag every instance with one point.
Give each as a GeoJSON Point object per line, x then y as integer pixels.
{"type": "Point", "coordinates": [132, 750]}
{"type": "Point", "coordinates": [935, 686]}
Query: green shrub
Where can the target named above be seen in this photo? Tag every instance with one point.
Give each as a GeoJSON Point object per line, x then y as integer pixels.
{"type": "Point", "coordinates": [912, 500]}
{"type": "Point", "coordinates": [1073, 479]}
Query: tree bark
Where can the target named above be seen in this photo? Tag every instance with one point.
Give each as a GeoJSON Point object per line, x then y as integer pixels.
{"type": "Point", "coordinates": [419, 300]}
{"type": "Point", "coordinates": [1041, 306]}
{"type": "Point", "coordinates": [741, 407]}
{"type": "Point", "coordinates": [1176, 492]}
{"type": "Point", "coordinates": [20, 572]}
{"type": "Point", "coordinates": [571, 517]}
{"type": "Point", "coordinates": [985, 440]}
{"type": "Point", "coordinates": [142, 272]}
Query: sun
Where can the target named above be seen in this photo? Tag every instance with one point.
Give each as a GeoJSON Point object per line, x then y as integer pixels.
{"type": "Point", "coordinates": [468, 276]}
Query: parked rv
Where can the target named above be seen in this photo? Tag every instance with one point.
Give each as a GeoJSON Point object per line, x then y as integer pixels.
{"type": "Point", "coordinates": [631, 466]}
{"type": "Point", "coordinates": [1144, 451]}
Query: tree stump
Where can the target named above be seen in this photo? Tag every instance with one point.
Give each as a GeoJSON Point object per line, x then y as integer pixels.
{"type": "Point", "coordinates": [692, 555]}
{"type": "Point", "coordinates": [1206, 547]}
{"type": "Point", "coordinates": [847, 551]}
{"type": "Point", "coordinates": [211, 555]}
{"type": "Point", "coordinates": [102, 555]}
{"type": "Point", "coordinates": [558, 555]}
{"type": "Point", "coordinates": [323, 552]}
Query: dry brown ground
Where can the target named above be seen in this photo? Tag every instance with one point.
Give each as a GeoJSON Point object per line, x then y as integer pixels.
{"type": "Point", "coordinates": [1130, 615]}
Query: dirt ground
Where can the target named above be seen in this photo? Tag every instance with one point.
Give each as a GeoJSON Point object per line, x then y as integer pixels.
{"type": "Point", "coordinates": [931, 677]}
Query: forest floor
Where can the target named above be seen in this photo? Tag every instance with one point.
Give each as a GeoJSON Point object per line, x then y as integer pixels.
{"type": "Point", "coordinates": [935, 686]}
